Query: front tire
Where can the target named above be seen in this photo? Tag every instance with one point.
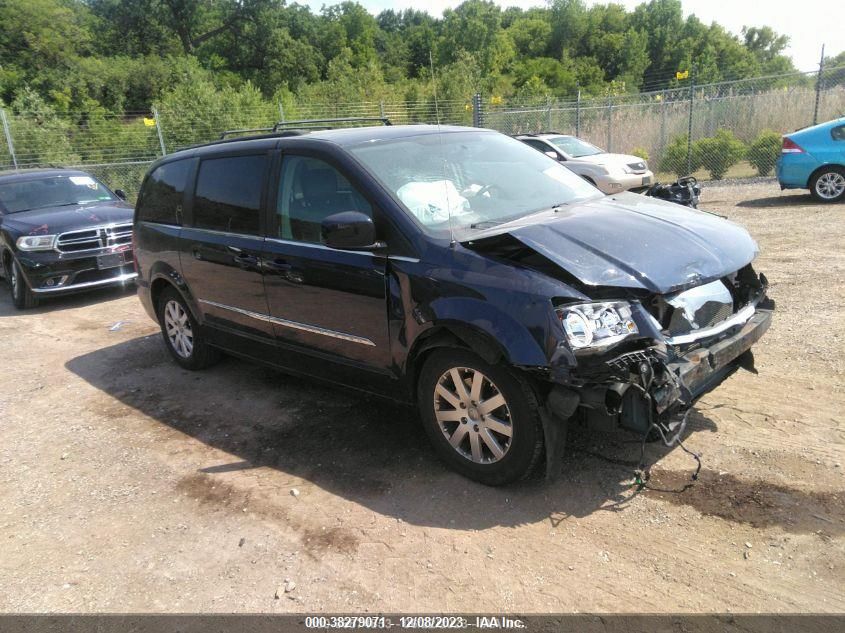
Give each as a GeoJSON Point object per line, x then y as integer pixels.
{"type": "Point", "coordinates": [482, 419]}
{"type": "Point", "coordinates": [182, 334]}
{"type": "Point", "coordinates": [828, 185]}
{"type": "Point", "coordinates": [22, 296]}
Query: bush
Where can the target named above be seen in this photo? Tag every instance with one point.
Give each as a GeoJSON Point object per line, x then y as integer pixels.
{"type": "Point", "coordinates": [763, 152]}
{"type": "Point", "coordinates": [674, 159]}
{"type": "Point", "coordinates": [640, 152]}
{"type": "Point", "coordinates": [719, 153]}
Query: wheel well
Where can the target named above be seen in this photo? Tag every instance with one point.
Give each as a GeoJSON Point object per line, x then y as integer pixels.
{"type": "Point", "coordinates": [156, 288]}
{"type": "Point", "coordinates": [452, 335]}
{"type": "Point", "coordinates": [6, 261]}
{"type": "Point", "coordinates": [839, 168]}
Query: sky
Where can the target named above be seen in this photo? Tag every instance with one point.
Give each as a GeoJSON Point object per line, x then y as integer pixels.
{"type": "Point", "coordinates": [808, 23]}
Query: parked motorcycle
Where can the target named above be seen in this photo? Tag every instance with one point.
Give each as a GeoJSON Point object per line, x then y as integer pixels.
{"type": "Point", "coordinates": [685, 191]}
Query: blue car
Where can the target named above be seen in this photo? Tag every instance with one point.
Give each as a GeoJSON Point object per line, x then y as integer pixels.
{"type": "Point", "coordinates": [814, 159]}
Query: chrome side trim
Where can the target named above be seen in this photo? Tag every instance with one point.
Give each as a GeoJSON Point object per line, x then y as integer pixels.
{"type": "Point", "coordinates": [313, 329]}
{"type": "Point", "coordinates": [88, 284]}
{"type": "Point", "coordinates": [738, 319]}
{"type": "Point", "coordinates": [249, 313]}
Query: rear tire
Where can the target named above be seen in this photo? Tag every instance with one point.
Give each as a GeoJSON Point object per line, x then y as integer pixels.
{"type": "Point", "coordinates": [22, 296]}
{"type": "Point", "coordinates": [482, 419]}
{"type": "Point", "coordinates": [183, 336]}
{"type": "Point", "coordinates": [828, 184]}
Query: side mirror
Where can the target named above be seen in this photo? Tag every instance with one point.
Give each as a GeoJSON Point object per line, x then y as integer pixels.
{"type": "Point", "coordinates": [552, 154]}
{"type": "Point", "coordinates": [349, 230]}
{"type": "Point", "coordinates": [120, 193]}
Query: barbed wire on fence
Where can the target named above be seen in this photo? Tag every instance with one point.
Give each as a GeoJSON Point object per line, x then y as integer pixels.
{"type": "Point", "coordinates": [716, 130]}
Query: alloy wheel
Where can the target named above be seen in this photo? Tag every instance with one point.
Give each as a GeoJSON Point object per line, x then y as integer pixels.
{"type": "Point", "coordinates": [178, 328]}
{"type": "Point", "coordinates": [13, 279]}
{"type": "Point", "coordinates": [830, 185]}
{"type": "Point", "coordinates": [473, 415]}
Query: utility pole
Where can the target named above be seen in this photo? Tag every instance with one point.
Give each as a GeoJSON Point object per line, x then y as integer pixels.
{"type": "Point", "coordinates": [818, 88]}
{"type": "Point", "coordinates": [689, 125]}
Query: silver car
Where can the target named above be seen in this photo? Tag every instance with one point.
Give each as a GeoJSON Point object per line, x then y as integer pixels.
{"type": "Point", "coordinates": [611, 173]}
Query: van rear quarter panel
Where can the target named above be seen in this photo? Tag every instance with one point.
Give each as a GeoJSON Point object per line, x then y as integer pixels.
{"type": "Point", "coordinates": [157, 257]}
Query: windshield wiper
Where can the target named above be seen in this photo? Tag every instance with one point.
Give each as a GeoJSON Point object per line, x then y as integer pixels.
{"type": "Point", "coordinates": [485, 224]}
{"type": "Point", "coordinates": [47, 206]}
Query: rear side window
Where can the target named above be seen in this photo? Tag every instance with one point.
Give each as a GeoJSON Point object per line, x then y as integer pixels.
{"type": "Point", "coordinates": [228, 194]}
{"type": "Point", "coordinates": [838, 133]}
{"type": "Point", "coordinates": [161, 199]}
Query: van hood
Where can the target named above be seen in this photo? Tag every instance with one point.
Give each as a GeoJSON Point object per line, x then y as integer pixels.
{"type": "Point", "coordinates": [631, 241]}
{"type": "Point", "coordinates": [53, 220]}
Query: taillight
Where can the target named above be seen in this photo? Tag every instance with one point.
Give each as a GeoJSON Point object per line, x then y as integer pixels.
{"type": "Point", "coordinates": [790, 147]}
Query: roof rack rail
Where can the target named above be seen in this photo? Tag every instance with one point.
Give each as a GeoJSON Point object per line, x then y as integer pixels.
{"type": "Point", "coordinates": [305, 124]}
{"type": "Point", "coordinates": [319, 123]}
{"type": "Point", "coordinates": [226, 133]}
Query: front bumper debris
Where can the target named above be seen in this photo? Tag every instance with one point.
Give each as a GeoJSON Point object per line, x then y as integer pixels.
{"type": "Point", "coordinates": [640, 387]}
{"type": "Point", "coordinates": [702, 369]}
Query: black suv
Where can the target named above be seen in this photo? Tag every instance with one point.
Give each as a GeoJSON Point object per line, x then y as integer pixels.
{"type": "Point", "coordinates": [62, 231]}
{"type": "Point", "coordinates": [453, 268]}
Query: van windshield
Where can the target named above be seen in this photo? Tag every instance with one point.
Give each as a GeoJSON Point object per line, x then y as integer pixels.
{"type": "Point", "coordinates": [472, 180]}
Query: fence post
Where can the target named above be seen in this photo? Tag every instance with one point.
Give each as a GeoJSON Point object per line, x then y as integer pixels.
{"type": "Point", "coordinates": [8, 133]}
{"type": "Point", "coordinates": [578, 113]}
{"type": "Point", "coordinates": [477, 114]}
{"type": "Point", "coordinates": [689, 125]}
{"type": "Point", "coordinates": [549, 114]}
{"type": "Point", "coordinates": [609, 123]}
{"type": "Point", "coordinates": [662, 144]}
{"type": "Point", "coordinates": [818, 88]}
{"type": "Point", "coordinates": [381, 109]}
{"type": "Point", "coordinates": [160, 135]}
{"type": "Point", "coordinates": [281, 112]}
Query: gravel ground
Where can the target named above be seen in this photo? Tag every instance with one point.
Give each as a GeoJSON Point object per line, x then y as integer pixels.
{"type": "Point", "coordinates": [127, 484]}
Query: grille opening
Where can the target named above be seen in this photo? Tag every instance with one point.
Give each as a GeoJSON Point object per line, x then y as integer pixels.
{"type": "Point", "coordinates": [99, 238]}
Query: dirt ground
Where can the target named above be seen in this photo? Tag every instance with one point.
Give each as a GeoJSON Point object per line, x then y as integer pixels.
{"type": "Point", "coordinates": [128, 484]}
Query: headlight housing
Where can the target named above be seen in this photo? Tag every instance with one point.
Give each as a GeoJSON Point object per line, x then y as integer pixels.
{"type": "Point", "coordinates": [37, 242]}
{"type": "Point", "coordinates": [596, 325]}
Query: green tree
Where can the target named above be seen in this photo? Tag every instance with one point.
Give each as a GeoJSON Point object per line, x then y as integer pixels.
{"type": "Point", "coordinates": [531, 36]}
{"type": "Point", "coordinates": [474, 27]}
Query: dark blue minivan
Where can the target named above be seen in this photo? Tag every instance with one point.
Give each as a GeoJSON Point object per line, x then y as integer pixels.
{"type": "Point", "coordinates": [456, 269]}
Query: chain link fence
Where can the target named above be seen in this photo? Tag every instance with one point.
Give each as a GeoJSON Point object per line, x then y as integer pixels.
{"type": "Point", "coordinates": [721, 130]}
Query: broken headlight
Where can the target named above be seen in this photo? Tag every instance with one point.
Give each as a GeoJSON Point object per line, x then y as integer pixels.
{"type": "Point", "coordinates": [597, 324]}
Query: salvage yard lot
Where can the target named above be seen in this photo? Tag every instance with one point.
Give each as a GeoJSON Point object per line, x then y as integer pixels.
{"type": "Point", "coordinates": [129, 484]}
